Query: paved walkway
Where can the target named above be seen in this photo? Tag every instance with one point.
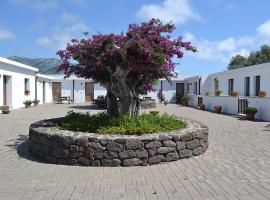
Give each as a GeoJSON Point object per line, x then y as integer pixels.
{"type": "Point", "coordinates": [236, 165]}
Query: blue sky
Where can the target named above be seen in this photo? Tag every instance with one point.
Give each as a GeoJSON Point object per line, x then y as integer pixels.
{"type": "Point", "coordinates": [218, 28]}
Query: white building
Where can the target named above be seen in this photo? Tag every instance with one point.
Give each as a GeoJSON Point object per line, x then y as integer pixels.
{"type": "Point", "coordinates": [17, 83]}
{"type": "Point", "coordinates": [43, 88]}
{"type": "Point", "coordinates": [247, 81]}
{"type": "Point", "coordinates": [78, 89]}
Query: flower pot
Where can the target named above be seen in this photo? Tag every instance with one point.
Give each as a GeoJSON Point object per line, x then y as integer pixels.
{"type": "Point", "coordinates": [5, 110]}
{"type": "Point", "coordinates": [27, 106]}
{"type": "Point", "coordinates": [202, 107]}
{"type": "Point", "coordinates": [250, 116]}
{"type": "Point", "coordinates": [35, 104]}
{"type": "Point", "coordinates": [218, 93]}
{"type": "Point", "coordinates": [184, 104]}
{"type": "Point", "coordinates": [262, 94]}
{"type": "Point", "coordinates": [218, 109]}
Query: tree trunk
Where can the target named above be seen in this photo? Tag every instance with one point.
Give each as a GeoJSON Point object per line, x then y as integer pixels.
{"type": "Point", "coordinates": [112, 104]}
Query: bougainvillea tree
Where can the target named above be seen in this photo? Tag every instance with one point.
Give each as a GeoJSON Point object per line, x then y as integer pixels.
{"type": "Point", "coordinates": [127, 64]}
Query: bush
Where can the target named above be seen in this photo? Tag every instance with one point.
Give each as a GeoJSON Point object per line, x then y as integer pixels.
{"type": "Point", "coordinates": [250, 110]}
{"type": "Point", "coordinates": [124, 124]}
{"type": "Point", "coordinates": [185, 98]}
{"type": "Point", "coordinates": [27, 103]}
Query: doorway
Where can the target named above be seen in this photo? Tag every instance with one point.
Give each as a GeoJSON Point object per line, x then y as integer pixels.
{"type": "Point", "coordinates": [89, 91]}
{"type": "Point", "coordinates": [180, 91]}
{"type": "Point", "coordinates": [56, 90]}
{"type": "Point", "coordinates": [44, 92]}
{"type": "Point", "coordinates": [5, 90]}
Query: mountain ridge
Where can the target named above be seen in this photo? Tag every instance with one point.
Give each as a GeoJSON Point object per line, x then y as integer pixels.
{"type": "Point", "coordinates": [48, 66]}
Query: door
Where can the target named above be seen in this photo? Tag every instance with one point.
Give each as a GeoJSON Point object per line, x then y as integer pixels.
{"type": "Point", "coordinates": [44, 92]}
{"type": "Point", "coordinates": [56, 89]}
{"type": "Point", "coordinates": [180, 91]}
{"type": "Point", "coordinates": [4, 90]}
{"type": "Point", "coordinates": [89, 91]}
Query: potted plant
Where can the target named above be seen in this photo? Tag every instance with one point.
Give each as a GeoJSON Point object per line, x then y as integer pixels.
{"type": "Point", "coordinates": [250, 113]}
{"type": "Point", "coordinates": [27, 103]}
{"type": "Point", "coordinates": [218, 109]}
{"type": "Point", "coordinates": [262, 94]}
{"type": "Point", "coordinates": [5, 109]}
{"type": "Point", "coordinates": [218, 92]}
{"type": "Point", "coordinates": [207, 93]}
{"type": "Point", "coordinates": [154, 112]}
{"type": "Point", "coordinates": [234, 93]}
{"type": "Point", "coordinates": [185, 100]}
{"type": "Point", "coordinates": [36, 102]}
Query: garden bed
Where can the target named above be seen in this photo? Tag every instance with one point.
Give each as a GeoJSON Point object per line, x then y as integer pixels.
{"type": "Point", "coordinates": [50, 144]}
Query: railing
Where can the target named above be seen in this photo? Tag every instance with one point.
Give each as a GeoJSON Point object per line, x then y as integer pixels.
{"type": "Point", "coordinates": [242, 104]}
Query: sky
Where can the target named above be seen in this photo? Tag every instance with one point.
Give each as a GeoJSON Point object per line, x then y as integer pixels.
{"type": "Point", "coordinates": [219, 29]}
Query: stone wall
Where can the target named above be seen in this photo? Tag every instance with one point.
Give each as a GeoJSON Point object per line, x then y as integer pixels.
{"type": "Point", "coordinates": [48, 143]}
{"type": "Point", "coordinates": [148, 104]}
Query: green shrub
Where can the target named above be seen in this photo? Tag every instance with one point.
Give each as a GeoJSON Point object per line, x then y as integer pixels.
{"type": "Point", "coordinates": [250, 110]}
{"type": "Point", "coordinates": [185, 98]}
{"type": "Point", "coordinates": [128, 125]}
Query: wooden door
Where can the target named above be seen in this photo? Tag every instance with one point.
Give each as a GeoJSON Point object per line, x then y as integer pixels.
{"type": "Point", "coordinates": [4, 90]}
{"type": "Point", "coordinates": [89, 91]}
{"type": "Point", "coordinates": [56, 90]}
{"type": "Point", "coordinates": [180, 91]}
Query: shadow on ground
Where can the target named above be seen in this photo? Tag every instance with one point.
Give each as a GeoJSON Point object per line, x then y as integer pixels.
{"type": "Point", "coordinates": [86, 107]}
{"type": "Point", "coordinates": [20, 145]}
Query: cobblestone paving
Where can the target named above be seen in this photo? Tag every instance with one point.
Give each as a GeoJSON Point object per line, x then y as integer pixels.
{"type": "Point", "coordinates": [236, 165]}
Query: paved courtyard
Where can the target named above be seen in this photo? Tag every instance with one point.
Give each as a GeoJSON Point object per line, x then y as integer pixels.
{"type": "Point", "coordinates": [236, 165]}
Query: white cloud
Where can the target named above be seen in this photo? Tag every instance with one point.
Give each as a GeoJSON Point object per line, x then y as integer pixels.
{"type": "Point", "coordinates": [242, 52]}
{"type": "Point", "coordinates": [44, 41]}
{"type": "Point", "coordinates": [6, 34]}
{"type": "Point", "coordinates": [177, 11]}
{"type": "Point", "coordinates": [264, 29]}
{"type": "Point", "coordinates": [228, 44]}
{"type": "Point", "coordinates": [223, 50]}
{"type": "Point", "coordinates": [39, 5]}
{"type": "Point", "coordinates": [62, 35]}
{"type": "Point", "coordinates": [69, 17]}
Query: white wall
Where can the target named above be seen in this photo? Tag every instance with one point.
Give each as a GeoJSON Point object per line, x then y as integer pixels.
{"type": "Point", "coordinates": [262, 105]}
{"type": "Point", "coordinates": [48, 90]}
{"type": "Point", "coordinates": [67, 88]}
{"type": "Point", "coordinates": [99, 90]}
{"type": "Point", "coordinates": [238, 75]}
{"type": "Point", "coordinates": [16, 91]}
{"type": "Point", "coordinates": [169, 90]}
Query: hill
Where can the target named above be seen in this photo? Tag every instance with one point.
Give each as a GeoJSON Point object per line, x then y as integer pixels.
{"type": "Point", "coordinates": [45, 65]}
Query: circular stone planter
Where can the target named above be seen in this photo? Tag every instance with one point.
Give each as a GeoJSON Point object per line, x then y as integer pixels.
{"type": "Point", "coordinates": [50, 144]}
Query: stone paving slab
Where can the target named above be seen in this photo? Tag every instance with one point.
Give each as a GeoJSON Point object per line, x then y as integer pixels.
{"type": "Point", "coordinates": [235, 166]}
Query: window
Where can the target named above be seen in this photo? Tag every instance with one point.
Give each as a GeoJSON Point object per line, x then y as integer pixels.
{"type": "Point", "coordinates": [187, 87]}
{"type": "Point", "coordinates": [230, 87]}
{"type": "Point", "coordinates": [216, 86]}
{"type": "Point", "coordinates": [247, 86]}
{"type": "Point", "coordinates": [26, 86]}
{"type": "Point", "coordinates": [195, 87]}
{"type": "Point", "coordinates": [257, 85]}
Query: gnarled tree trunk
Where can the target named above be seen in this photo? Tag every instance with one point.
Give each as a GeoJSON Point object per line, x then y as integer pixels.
{"type": "Point", "coordinates": [112, 104]}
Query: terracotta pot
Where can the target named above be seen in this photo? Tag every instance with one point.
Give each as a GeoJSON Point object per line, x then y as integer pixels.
{"type": "Point", "coordinates": [184, 103]}
{"type": "Point", "coordinates": [250, 116]}
{"type": "Point", "coordinates": [5, 110]}
{"type": "Point", "coordinates": [202, 107]}
{"type": "Point", "coordinates": [218, 109]}
{"type": "Point", "coordinates": [262, 94]}
{"type": "Point", "coordinates": [218, 93]}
